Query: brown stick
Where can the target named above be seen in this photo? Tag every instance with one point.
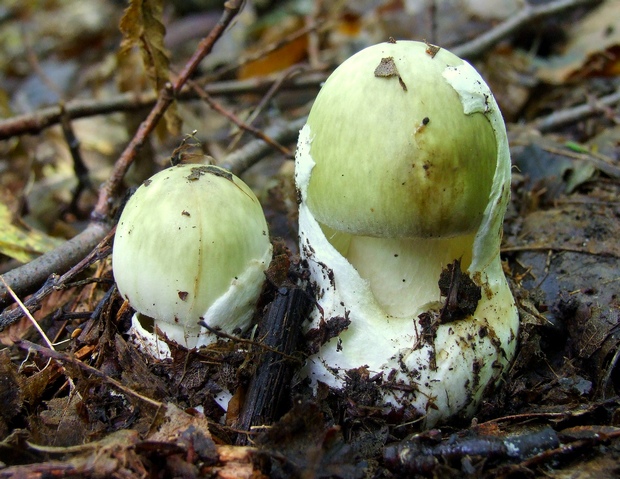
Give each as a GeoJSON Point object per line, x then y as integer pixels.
{"type": "Point", "coordinates": [246, 156]}
{"type": "Point", "coordinates": [33, 123]}
{"type": "Point", "coordinates": [528, 14]}
{"type": "Point", "coordinates": [576, 113]}
{"type": "Point", "coordinates": [237, 121]}
{"type": "Point", "coordinates": [277, 85]}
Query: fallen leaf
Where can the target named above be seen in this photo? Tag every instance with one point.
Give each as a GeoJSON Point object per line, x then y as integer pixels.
{"type": "Point", "coordinates": [20, 244]}
{"type": "Point", "coordinates": [593, 48]}
{"type": "Point", "coordinates": [142, 27]}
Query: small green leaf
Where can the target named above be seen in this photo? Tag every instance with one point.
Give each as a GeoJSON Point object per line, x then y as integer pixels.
{"type": "Point", "coordinates": [576, 147]}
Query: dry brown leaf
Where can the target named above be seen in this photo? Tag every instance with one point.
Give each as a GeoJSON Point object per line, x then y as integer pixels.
{"type": "Point", "coordinates": [593, 48]}
{"type": "Point", "coordinates": [142, 27]}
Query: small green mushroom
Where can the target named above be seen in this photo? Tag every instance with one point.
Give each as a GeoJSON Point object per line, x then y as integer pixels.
{"type": "Point", "coordinates": [192, 245]}
{"type": "Point", "coordinates": [403, 170]}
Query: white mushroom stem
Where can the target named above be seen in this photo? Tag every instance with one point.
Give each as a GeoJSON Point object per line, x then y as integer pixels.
{"type": "Point", "coordinates": [393, 268]}
{"type": "Point", "coordinates": [468, 354]}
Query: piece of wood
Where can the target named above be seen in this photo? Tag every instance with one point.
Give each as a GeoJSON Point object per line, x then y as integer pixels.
{"type": "Point", "coordinates": [268, 393]}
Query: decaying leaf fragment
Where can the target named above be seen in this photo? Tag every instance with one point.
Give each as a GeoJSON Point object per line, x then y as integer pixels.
{"type": "Point", "coordinates": [592, 48]}
{"type": "Point", "coordinates": [142, 27]}
{"type": "Point", "coordinates": [21, 244]}
{"type": "Point", "coordinates": [387, 69]}
{"type": "Point", "coordinates": [431, 49]}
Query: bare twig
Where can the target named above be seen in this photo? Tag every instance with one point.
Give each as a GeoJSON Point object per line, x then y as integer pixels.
{"type": "Point", "coordinates": [27, 313]}
{"type": "Point", "coordinates": [564, 249]}
{"type": "Point", "coordinates": [286, 74]}
{"type": "Point", "coordinates": [249, 342]}
{"type": "Point", "coordinates": [79, 167]}
{"type": "Point", "coordinates": [237, 121]}
{"type": "Point", "coordinates": [601, 162]}
{"type": "Point", "coordinates": [576, 113]}
{"type": "Point", "coordinates": [36, 122]}
{"type": "Point", "coordinates": [243, 158]}
{"type": "Point", "coordinates": [528, 14]}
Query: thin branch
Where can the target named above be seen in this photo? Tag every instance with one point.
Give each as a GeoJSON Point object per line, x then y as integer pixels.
{"type": "Point", "coordinates": [246, 156]}
{"type": "Point", "coordinates": [262, 104]}
{"type": "Point", "coordinates": [237, 121]}
{"type": "Point", "coordinates": [249, 342]}
{"type": "Point", "coordinates": [33, 123]}
{"type": "Point", "coordinates": [527, 15]}
{"type": "Point", "coordinates": [601, 162]}
{"type": "Point", "coordinates": [79, 167]}
{"type": "Point", "coordinates": [576, 113]}
{"type": "Point", "coordinates": [23, 308]}
{"type": "Point", "coordinates": [563, 249]}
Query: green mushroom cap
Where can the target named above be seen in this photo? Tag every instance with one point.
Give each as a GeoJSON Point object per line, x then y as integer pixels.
{"type": "Point", "coordinates": [185, 237]}
{"type": "Point", "coordinates": [395, 155]}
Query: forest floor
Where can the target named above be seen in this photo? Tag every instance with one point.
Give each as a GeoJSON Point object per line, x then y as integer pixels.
{"type": "Point", "coordinates": [96, 96]}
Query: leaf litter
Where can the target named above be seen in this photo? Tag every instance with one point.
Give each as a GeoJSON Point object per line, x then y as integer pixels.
{"type": "Point", "coordinates": [128, 415]}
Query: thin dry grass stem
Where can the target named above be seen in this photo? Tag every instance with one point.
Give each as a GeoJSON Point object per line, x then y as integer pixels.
{"type": "Point", "coordinates": [22, 306]}
{"type": "Point", "coordinates": [262, 104]}
{"type": "Point", "coordinates": [36, 325]}
{"type": "Point", "coordinates": [236, 120]}
{"type": "Point", "coordinates": [65, 358]}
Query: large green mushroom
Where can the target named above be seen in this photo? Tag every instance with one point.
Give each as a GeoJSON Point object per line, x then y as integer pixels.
{"type": "Point", "coordinates": [403, 170]}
